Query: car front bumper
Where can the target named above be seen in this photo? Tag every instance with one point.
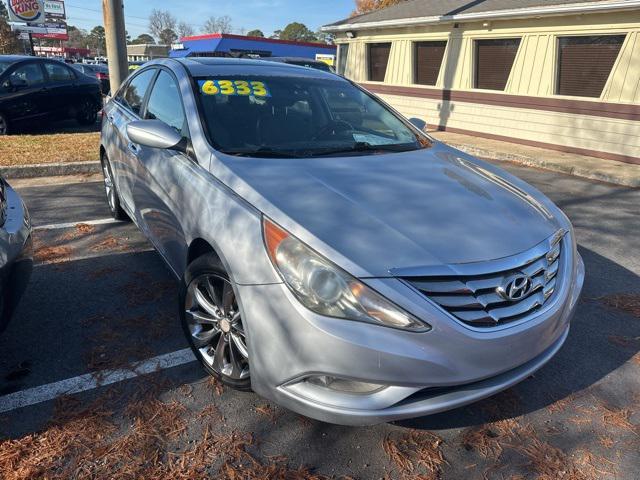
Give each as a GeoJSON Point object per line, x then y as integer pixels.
{"type": "Point", "coordinates": [424, 373]}
{"type": "Point", "coordinates": [16, 255]}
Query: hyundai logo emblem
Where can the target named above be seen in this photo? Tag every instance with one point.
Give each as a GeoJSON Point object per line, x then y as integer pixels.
{"type": "Point", "coordinates": [515, 287]}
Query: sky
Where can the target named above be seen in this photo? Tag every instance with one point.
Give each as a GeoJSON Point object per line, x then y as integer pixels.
{"type": "Point", "coordinates": [266, 15]}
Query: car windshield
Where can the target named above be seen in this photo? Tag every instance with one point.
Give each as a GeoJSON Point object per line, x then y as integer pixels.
{"type": "Point", "coordinates": [299, 116]}
{"type": "Point", "coordinates": [4, 65]}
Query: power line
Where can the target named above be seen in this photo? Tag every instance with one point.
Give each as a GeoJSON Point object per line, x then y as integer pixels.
{"type": "Point", "coordinates": [99, 11]}
{"type": "Point", "coordinates": [85, 19]}
{"type": "Point", "coordinates": [201, 26]}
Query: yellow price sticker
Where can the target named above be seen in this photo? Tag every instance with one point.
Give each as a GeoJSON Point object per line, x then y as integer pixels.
{"type": "Point", "coordinates": [234, 87]}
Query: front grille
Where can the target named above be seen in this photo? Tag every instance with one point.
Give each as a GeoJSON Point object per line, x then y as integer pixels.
{"type": "Point", "coordinates": [476, 295]}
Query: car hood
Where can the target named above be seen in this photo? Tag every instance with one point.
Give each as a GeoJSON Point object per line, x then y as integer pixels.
{"type": "Point", "coordinates": [374, 213]}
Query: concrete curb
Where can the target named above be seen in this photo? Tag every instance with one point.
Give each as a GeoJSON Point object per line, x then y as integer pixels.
{"type": "Point", "coordinates": [50, 169]}
{"type": "Point", "coordinates": [556, 166]}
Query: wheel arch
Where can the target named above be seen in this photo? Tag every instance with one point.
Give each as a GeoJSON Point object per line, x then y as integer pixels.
{"type": "Point", "coordinates": [198, 247]}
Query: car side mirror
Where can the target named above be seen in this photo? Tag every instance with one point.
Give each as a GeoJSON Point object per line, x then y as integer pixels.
{"type": "Point", "coordinates": [155, 134]}
{"type": "Point", "coordinates": [418, 123]}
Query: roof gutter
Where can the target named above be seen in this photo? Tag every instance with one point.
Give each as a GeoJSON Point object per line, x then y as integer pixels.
{"type": "Point", "coordinates": [576, 8]}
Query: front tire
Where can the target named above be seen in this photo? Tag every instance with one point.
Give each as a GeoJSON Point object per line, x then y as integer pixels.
{"type": "Point", "coordinates": [4, 125]}
{"type": "Point", "coordinates": [212, 323]}
{"type": "Point", "coordinates": [113, 199]}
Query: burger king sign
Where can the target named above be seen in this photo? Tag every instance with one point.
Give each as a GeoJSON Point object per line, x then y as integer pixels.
{"type": "Point", "coordinates": [31, 11]}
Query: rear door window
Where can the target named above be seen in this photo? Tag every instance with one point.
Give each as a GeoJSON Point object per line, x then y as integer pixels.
{"type": "Point", "coordinates": [58, 73]}
{"type": "Point", "coordinates": [133, 95]}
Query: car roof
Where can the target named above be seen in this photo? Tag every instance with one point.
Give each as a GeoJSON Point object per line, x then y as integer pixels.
{"type": "Point", "coordinates": [16, 58]}
{"type": "Point", "coordinates": [203, 66]}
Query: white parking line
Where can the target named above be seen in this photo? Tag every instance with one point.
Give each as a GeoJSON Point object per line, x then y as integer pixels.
{"type": "Point", "coordinates": [82, 383]}
{"type": "Point", "coordinates": [58, 226]}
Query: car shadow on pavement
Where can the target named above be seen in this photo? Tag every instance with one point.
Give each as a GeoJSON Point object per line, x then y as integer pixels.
{"type": "Point", "coordinates": [601, 340]}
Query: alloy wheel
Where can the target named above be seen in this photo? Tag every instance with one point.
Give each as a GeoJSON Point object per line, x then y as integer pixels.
{"type": "Point", "coordinates": [3, 125]}
{"type": "Point", "coordinates": [215, 326]}
{"type": "Point", "coordinates": [109, 187]}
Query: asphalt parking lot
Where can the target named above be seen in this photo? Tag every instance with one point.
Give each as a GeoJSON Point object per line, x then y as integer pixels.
{"type": "Point", "coordinates": [101, 300]}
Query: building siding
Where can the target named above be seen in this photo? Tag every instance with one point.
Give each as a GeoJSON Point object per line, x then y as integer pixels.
{"type": "Point", "coordinates": [533, 75]}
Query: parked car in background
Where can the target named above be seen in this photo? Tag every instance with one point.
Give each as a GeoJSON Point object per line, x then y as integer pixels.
{"type": "Point", "coordinates": [101, 72]}
{"type": "Point", "coordinates": [302, 62]}
{"type": "Point", "coordinates": [15, 251]}
{"type": "Point", "coordinates": [333, 257]}
{"type": "Point", "coordinates": [38, 89]}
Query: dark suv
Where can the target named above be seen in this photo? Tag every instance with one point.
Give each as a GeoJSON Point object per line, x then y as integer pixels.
{"type": "Point", "coordinates": [38, 88]}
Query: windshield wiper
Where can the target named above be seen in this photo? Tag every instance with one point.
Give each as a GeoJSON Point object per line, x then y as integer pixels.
{"type": "Point", "coordinates": [362, 147]}
{"type": "Point", "coordinates": [262, 152]}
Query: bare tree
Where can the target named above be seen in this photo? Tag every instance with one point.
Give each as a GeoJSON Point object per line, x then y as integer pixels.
{"type": "Point", "coordinates": [218, 25]}
{"type": "Point", "coordinates": [160, 21]}
{"type": "Point", "coordinates": [184, 30]}
{"type": "Point", "coordinates": [365, 6]}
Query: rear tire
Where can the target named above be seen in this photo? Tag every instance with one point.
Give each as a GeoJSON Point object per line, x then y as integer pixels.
{"type": "Point", "coordinates": [211, 321]}
{"type": "Point", "coordinates": [113, 199]}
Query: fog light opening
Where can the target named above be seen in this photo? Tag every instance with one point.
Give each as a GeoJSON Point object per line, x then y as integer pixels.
{"type": "Point", "coordinates": [344, 385]}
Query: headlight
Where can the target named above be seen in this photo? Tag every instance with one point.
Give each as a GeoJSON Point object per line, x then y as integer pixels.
{"type": "Point", "coordinates": [325, 289]}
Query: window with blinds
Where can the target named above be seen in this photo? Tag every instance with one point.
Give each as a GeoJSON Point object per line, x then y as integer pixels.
{"type": "Point", "coordinates": [427, 61]}
{"type": "Point", "coordinates": [584, 64]}
{"type": "Point", "coordinates": [493, 62]}
{"type": "Point", "coordinates": [378, 54]}
{"type": "Point", "coordinates": [343, 52]}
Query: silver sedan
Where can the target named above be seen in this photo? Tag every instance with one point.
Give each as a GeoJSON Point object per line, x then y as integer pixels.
{"type": "Point", "coordinates": [332, 256]}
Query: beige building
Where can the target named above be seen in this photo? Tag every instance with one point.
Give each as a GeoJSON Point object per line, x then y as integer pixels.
{"type": "Point", "coordinates": [561, 74]}
{"type": "Point", "coordinates": [144, 52]}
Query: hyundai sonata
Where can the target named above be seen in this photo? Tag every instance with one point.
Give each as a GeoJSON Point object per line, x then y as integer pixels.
{"type": "Point", "coordinates": [332, 256]}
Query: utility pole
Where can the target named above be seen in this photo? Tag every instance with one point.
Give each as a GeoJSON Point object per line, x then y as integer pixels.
{"type": "Point", "coordinates": [113, 13]}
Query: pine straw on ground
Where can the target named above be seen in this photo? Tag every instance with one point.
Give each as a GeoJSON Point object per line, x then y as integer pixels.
{"type": "Point", "coordinates": [551, 463]}
{"type": "Point", "coordinates": [545, 461]}
{"type": "Point", "coordinates": [626, 342]}
{"type": "Point", "coordinates": [51, 254]}
{"type": "Point", "coordinates": [87, 442]}
{"type": "Point", "coordinates": [416, 454]}
{"type": "Point", "coordinates": [56, 250]}
{"type": "Point", "coordinates": [627, 302]}
{"type": "Point", "coordinates": [145, 289]}
{"type": "Point", "coordinates": [112, 345]}
{"type": "Point", "coordinates": [63, 147]}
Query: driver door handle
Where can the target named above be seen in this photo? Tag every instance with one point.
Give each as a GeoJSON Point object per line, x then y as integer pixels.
{"type": "Point", "coordinates": [134, 149]}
